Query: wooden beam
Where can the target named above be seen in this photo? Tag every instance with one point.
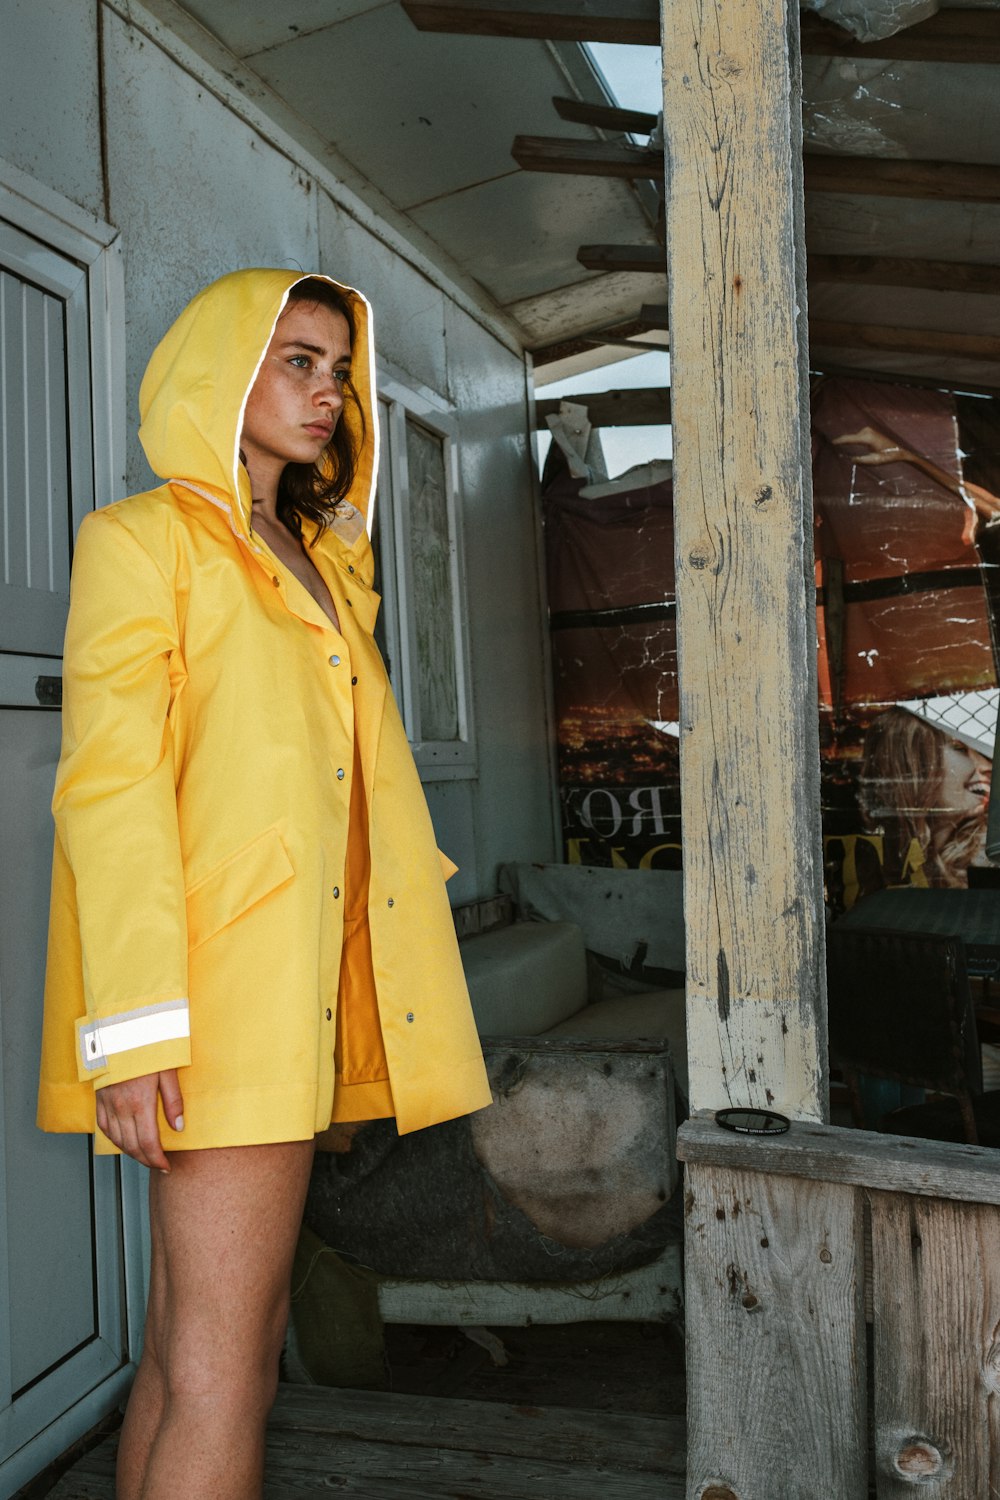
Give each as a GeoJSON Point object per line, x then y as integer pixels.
{"type": "Point", "coordinates": [750, 800]}
{"type": "Point", "coordinates": [540, 153]}
{"type": "Point", "coordinates": [903, 377]}
{"type": "Point", "coordinates": [619, 334]}
{"type": "Point", "coordinates": [955, 36]}
{"type": "Point", "coordinates": [828, 334]}
{"type": "Point", "coordinates": [644, 406]}
{"type": "Point", "coordinates": [622, 257]}
{"type": "Point", "coordinates": [641, 346]}
{"type": "Point", "coordinates": [829, 1153]}
{"type": "Point", "coordinates": [857, 270]}
{"type": "Point", "coordinates": [633, 21]}
{"type": "Point", "coordinates": [945, 181]}
{"type": "Point", "coordinates": [885, 270]}
{"type": "Point", "coordinates": [951, 36]}
{"type": "Point", "coordinates": [654, 317]}
{"type": "Point", "coordinates": [967, 182]}
{"type": "Point", "coordinates": [605, 117]}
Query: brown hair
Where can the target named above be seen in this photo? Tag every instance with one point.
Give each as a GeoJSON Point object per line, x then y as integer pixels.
{"type": "Point", "coordinates": [900, 790]}
{"type": "Point", "coordinates": [311, 492]}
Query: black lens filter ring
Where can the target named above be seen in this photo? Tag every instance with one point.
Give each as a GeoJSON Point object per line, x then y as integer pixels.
{"type": "Point", "coordinates": [752, 1121]}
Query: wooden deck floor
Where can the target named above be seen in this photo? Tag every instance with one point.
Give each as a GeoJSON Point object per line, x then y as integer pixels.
{"type": "Point", "coordinates": [378, 1446]}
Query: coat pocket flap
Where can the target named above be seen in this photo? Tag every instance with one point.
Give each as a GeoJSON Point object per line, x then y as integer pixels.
{"type": "Point", "coordinates": [238, 883]}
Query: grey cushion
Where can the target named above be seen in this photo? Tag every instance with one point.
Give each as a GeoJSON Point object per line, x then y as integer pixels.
{"type": "Point", "coordinates": [525, 978]}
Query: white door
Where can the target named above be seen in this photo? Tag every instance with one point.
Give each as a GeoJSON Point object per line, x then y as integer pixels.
{"type": "Point", "coordinates": [63, 1334]}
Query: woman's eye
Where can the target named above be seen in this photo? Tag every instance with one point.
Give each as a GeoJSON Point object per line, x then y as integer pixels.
{"type": "Point", "coordinates": [300, 361]}
{"type": "Point", "coordinates": [341, 376]}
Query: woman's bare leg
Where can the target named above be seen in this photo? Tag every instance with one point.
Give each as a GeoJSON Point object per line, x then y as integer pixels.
{"type": "Point", "coordinates": [144, 1412]}
{"type": "Point", "coordinates": [224, 1226]}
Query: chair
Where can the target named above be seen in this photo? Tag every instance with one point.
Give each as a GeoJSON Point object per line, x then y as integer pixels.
{"type": "Point", "coordinates": [900, 1008]}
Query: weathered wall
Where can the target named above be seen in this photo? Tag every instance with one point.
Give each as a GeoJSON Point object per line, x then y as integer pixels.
{"type": "Point", "coordinates": [197, 191]}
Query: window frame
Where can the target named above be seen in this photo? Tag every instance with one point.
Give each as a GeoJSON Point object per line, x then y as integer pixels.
{"type": "Point", "coordinates": [405, 400]}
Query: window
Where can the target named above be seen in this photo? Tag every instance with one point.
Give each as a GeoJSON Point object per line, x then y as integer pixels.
{"type": "Point", "coordinates": [417, 540]}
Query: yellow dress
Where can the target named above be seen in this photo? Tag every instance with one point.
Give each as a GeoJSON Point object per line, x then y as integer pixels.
{"type": "Point", "coordinates": [362, 1091]}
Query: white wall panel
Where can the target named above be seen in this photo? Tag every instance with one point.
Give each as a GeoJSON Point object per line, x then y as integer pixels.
{"type": "Point", "coordinates": [409, 309]}
{"type": "Point", "coordinates": [256, 25]}
{"type": "Point", "coordinates": [513, 795]}
{"type": "Point", "coordinates": [196, 193]}
{"type": "Point", "coordinates": [50, 121]}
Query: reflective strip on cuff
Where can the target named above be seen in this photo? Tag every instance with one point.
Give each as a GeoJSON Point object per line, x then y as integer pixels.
{"type": "Point", "coordinates": [166, 1022]}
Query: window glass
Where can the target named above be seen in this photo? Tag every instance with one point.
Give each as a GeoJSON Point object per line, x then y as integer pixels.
{"type": "Point", "coordinates": [433, 584]}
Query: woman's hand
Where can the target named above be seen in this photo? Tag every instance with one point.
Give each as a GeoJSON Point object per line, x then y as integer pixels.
{"type": "Point", "coordinates": [126, 1112]}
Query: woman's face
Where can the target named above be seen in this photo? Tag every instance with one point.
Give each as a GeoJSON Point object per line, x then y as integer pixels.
{"type": "Point", "coordinates": [298, 396]}
{"type": "Point", "coordinates": [965, 780]}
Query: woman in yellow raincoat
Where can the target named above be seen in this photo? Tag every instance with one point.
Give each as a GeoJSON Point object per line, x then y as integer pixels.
{"type": "Point", "coordinates": [250, 935]}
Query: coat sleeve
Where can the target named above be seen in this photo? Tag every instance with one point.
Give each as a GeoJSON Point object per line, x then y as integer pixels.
{"type": "Point", "coordinates": [115, 808]}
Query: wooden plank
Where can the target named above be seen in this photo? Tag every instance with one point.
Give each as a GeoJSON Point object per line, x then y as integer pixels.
{"type": "Point", "coordinates": [886, 270]}
{"type": "Point", "coordinates": [644, 406]}
{"type": "Point", "coordinates": [390, 1469]}
{"type": "Point", "coordinates": [826, 333]}
{"type": "Point", "coordinates": [390, 1447]}
{"type": "Point", "coordinates": [942, 181]}
{"type": "Point", "coordinates": [893, 1163]}
{"type": "Point", "coordinates": [936, 1285]}
{"type": "Point", "coordinates": [384, 1472]}
{"type": "Point", "coordinates": [605, 116]}
{"type": "Point", "coordinates": [551, 20]}
{"type": "Point", "coordinates": [746, 619]}
{"type": "Point", "coordinates": [622, 257]}
{"type": "Point", "coordinates": [650, 1444]}
{"type": "Point", "coordinates": [543, 153]}
{"type": "Point", "coordinates": [951, 36]}
{"type": "Point", "coordinates": [775, 1338]}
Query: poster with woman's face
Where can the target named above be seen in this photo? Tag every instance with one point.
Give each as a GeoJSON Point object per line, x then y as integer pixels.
{"type": "Point", "coordinates": [906, 563]}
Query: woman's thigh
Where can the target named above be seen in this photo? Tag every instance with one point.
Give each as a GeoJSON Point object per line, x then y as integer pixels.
{"type": "Point", "coordinates": [224, 1227]}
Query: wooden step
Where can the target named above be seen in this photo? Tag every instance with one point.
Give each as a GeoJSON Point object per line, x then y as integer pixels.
{"type": "Point", "coordinates": [381, 1446]}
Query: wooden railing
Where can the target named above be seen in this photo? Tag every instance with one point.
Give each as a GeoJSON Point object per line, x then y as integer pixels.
{"type": "Point", "coordinates": [787, 1238]}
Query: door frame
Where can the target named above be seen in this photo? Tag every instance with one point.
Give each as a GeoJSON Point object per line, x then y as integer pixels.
{"type": "Point", "coordinates": [60, 225]}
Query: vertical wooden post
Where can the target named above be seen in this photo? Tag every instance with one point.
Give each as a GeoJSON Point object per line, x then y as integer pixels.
{"type": "Point", "coordinates": [749, 737]}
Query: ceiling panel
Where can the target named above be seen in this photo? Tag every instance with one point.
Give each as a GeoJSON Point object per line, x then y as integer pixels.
{"type": "Point", "coordinates": [849, 224]}
{"type": "Point", "coordinates": [519, 234]}
{"type": "Point", "coordinates": [597, 302]}
{"type": "Point", "coordinates": [249, 26]}
{"type": "Point", "coordinates": [419, 114]}
{"type": "Point", "coordinates": [904, 307]}
{"type": "Point", "coordinates": [953, 375]}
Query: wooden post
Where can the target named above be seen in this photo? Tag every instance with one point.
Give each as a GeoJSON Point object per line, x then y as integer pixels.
{"type": "Point", "coordinates": [749, 734]}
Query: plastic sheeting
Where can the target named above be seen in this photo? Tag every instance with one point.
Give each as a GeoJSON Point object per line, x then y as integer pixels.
{"type": "Point", "coordinates": [873, 20]}
{"type": "Point", "coordinates": [906, 481]}
{"type": "Point", "coordinates": [869, 106]}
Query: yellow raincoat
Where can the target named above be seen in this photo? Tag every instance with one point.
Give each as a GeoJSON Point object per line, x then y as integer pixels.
{"type": "Point", "coordinates": [213, 721]}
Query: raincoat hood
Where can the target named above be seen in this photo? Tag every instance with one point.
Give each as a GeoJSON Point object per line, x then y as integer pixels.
{"type": "Point", "coordinates": [195, 388]}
